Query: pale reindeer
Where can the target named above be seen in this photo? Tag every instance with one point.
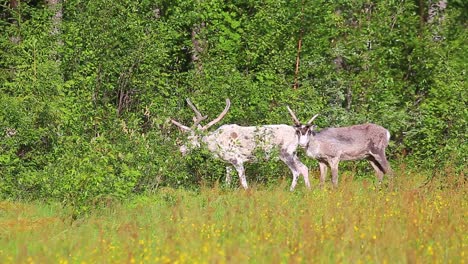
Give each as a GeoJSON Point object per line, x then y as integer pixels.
{"type": "Point", "coordinates": [237, 145]}
{"type": "Point", "coordinates": [332, 145]}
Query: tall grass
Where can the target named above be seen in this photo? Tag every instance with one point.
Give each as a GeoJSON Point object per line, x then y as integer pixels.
{"type": "Point", "coordinates": [356, 223]}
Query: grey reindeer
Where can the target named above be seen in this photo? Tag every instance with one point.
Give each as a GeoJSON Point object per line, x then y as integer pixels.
{"type": "Point", "coordinates": [332, 145]}
{"type": "Point", "coordinates": [237, 145]}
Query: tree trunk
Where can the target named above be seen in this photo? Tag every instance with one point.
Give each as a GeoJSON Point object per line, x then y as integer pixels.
{"type": "Point", "coordinates": [299, 48]}
{"type": "Point", "coordinates": [14, 7]}
{"type": "Point", "coordinates": [56, 7]}
{"type": "Point", "coordinates": [199, 46]}
{"type": "Point", "coordinates": [14, 4]}
{"type": "Point", "coordinates": [436, 17]}
{"type": "Point", "coordinates": [435, 12]}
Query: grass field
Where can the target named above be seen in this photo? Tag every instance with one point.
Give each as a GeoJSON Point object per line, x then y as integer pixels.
{"type": "Point", "coordinates": [356, 223]}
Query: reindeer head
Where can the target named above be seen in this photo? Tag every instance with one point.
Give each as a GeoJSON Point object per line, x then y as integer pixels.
{"type": "Point", "coordinates": [303, 132]}
{"type": "Point", "coordinates": [196, 129]}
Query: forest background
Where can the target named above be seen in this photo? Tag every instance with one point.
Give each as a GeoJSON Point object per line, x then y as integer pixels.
{"type": "Point", "coordinates": [87, 88]}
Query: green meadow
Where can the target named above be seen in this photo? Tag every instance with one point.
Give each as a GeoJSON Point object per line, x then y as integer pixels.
{"type": "Point", "coordinates": [408, 220]}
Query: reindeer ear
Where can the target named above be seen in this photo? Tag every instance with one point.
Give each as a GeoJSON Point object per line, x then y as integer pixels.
{"type": "Point", "coordinates": [314, 130]}
{"type": "Point", "coordinates": [311, 129]}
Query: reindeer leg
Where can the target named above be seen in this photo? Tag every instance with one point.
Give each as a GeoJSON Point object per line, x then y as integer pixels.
{"type": "Point", "coordinates": [228, 175]}
{"type": "Point", "coordinates": [378, 171]}
{"type": "Point", "coordinates": [385, 164]}
{"type": "Point", "coordinates": [241, 172]}
{"type": "Point", "coordinates": [388, 170]}
{"type": "Point", "coordinates": [382, 163]}
{"type": "Point", "coordinates": [334, 171]}
{"type": "Point", "coordinates": [294, 182]}
{"type": "Point", "coordinates": [323, 173]}
{"type": "Point", "coordinates": [291, 162]}
{"type": "Point", "coordinates": [305, 172]}
{"type": "Point", "coordinates": [302, 169]}
{"type": "Point", "coordinates": [381, 166]}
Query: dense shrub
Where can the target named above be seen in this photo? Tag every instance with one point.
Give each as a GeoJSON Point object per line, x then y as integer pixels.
{"type": "Point", "coordinates": [86, 98]}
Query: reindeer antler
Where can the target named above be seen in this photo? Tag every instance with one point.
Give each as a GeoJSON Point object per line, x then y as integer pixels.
{"type": "Point", "coordinates": [186, 128]}
{"type": "Point", "coordinates": [296, 121]}
{"type": "Point", "coordinates": [312, 119]}
{"type": "Point", "coordinates": [228, 104]}
{"type": "Point", "coordinates": [198, 116]}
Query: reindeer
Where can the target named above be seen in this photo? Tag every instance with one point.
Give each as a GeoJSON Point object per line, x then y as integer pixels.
{"type": "Point", "coordinates": [332, 145]}
{"type": "Point", "coordinates": [237, 145]}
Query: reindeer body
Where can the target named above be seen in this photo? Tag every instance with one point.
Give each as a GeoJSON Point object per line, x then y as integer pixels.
{"type": "Point", "coordinates": [238, 144]}
{"type": "Point", "coordinates": [234, 142]}
{"type": "Point", "coordinates": [366, 141]}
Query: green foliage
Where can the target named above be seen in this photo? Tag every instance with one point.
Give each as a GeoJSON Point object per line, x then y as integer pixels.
{"type": "Point", "coordinates": [84, 113]}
